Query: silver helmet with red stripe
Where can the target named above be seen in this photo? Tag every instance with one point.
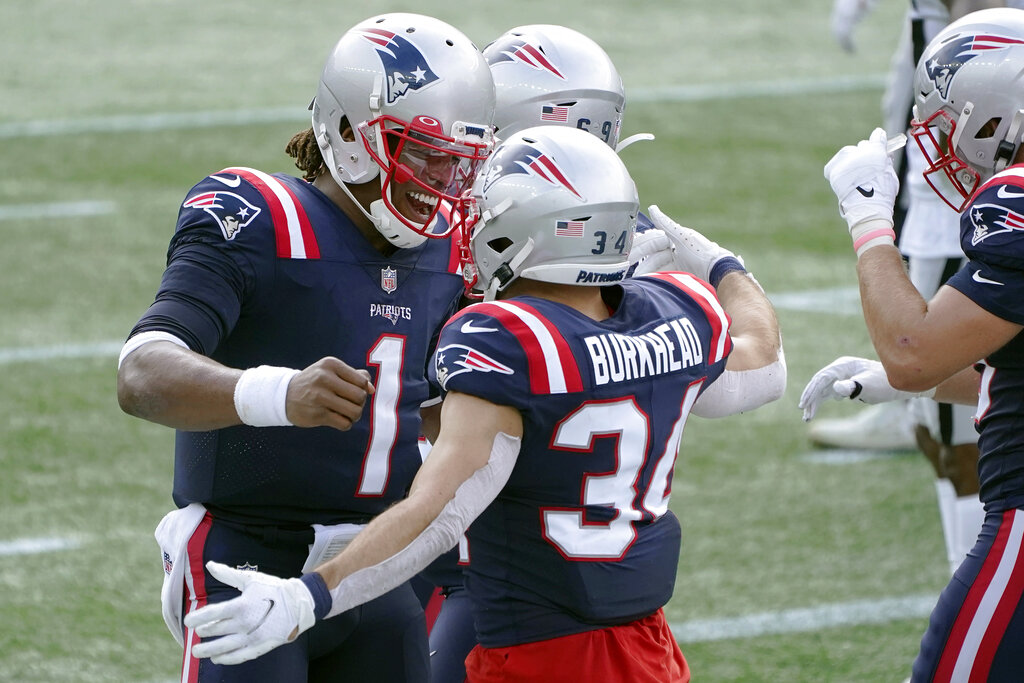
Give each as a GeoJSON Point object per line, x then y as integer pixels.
{"type": "Point", "coordinates": [969, 101]}
{"type": "Point", "coordinates": [554, 204]}
{"type": "Point", "coordinates": [407, 99]}
{"type": "Point", "coordinates": [548, 74]}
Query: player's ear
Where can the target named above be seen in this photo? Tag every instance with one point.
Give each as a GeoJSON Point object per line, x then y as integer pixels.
{"type": "Point", "coordinates": [347, 134]}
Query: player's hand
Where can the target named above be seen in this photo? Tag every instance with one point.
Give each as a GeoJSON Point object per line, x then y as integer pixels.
{"type": "Point", "coordinates": [865, 183]}
{"type": "Point", "coordinates": [846, 14]}
{"type": "Point", "coordinates": [269, 612]}
{"type": "Point", "coordinates": [652, 252]}
{"type": "Point", "coordinates": [692, 251]}
{"type": "Point", "coordinates": [851, 377]}
{"type": "Point", "coordinates": [328, 393]}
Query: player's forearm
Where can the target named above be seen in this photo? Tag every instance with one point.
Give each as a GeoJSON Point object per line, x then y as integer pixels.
{"type": "Point", "coordinates": [960, 388]}
{"type": "Point", "coordinates": [754, 328]}
{"type": "Point", "coordinates": [895, 314]}
{"type": "Point", "coordinates": [169, 385]}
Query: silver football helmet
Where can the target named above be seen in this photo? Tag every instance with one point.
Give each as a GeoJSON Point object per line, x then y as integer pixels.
{"type": "Point", "coordinates": [553, 204]}
{"type": "Point", "coordinates": [969, 101]}
{"type": "Point", "coordinates": [418, 98]}
{"type": "Point", "coordinates": [546, 74]}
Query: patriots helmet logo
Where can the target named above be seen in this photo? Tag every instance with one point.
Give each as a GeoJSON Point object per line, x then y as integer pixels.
{"type": "Point", "coordinates": [993, 219]}
{"type": "Point", "coordinates": [455, 359]}
{"type": "Point", "coordinates": [406, 67]}
{"type": "Point", "coordinates": [512, 159]}
{"type": "Point", "coordinates": [231, 211]}
{"type": "Point", "coordinates": [518, 50]}
{"type": "Point", "coordinates": [943, 67]}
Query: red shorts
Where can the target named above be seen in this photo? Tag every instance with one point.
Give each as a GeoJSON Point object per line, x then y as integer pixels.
{"type": "Point", "coordinates": [643, 651]}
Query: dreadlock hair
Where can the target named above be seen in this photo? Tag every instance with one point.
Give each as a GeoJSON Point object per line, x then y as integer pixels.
{"type": "Point", "coordinates": [306, 152]}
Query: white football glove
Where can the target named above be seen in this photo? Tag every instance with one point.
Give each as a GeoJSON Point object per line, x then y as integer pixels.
{"type": "Point", "coordinates": [851, 377]}
{"type": "Point", "coordinates": [652, 252]}
{"type": "Point", "coordinates": [863, 179]}
{"type": "Point", "coordinates": [692, 251]}
{"type": "Point", "coordinates": [846, 14]}
{"type": "Point", "coordinates": [263, 617]}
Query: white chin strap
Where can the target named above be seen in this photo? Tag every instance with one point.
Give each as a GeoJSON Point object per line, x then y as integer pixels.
{"type": "Point", "coordinates": [393, 230]}
{"type": "Point", "coordinates": [623, 144]}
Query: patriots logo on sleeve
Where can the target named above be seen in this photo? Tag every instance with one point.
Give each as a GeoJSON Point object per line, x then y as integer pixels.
{"type": "Point", "coordinates": [524, 158]}
{"type": "Point", "coordinates": [943, 67]}
{"type": "Point", "coordinates": [455, 359]}
{"type": "Point", "coordinates": [231, 211]}
{"type": "Point", "coordinates": [993, 219]}
{"type": "Point", "coordinates": [518, 50]}
{"type": "Point", "coordinates": [406, 67]}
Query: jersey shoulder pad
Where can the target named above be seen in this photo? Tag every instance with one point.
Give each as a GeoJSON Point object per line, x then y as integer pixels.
{"type": "Point", "coordinates": [240, 200]}
{"type": "Point", "coordinates": [518, 336]}
{"type": "Point", "coordinates": [477, 355]}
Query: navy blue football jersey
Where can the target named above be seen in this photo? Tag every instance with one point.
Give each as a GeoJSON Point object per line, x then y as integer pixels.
{"type": "Point", "coordinates": [266, 270]}
{"type": "Point", "coordinates": [581, 536]}
{"type": "Point", "coordinates": [992, 237]}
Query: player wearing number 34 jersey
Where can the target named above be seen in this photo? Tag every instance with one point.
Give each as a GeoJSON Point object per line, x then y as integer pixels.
{"type": "Point", "coordinates": [560, 553]}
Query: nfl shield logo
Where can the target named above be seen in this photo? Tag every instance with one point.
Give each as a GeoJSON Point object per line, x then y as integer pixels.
{"type": "Point", "coordinates": [388, 279]}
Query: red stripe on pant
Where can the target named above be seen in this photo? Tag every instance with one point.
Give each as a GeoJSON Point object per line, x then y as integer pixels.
{"type": "Point", "coordinates": [1000, 617]}
{"type": "Point", "coordinates": [197, 598]}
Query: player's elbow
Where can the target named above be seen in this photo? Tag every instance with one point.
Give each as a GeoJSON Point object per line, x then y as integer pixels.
{"type": "Point", "coordinates": [910, 376]}
{"type": "Point", "coordinates": [135, 394]}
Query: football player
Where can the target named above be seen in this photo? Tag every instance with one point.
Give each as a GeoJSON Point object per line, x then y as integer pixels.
{"type": "Point", "coordinates": [567, 391]}
{"type": "Point", "coordinates": [964, 344]}
{"type": "Point", "coordinates": [544, 74]}
{"type": "Point", "coordinates": [289, 339]}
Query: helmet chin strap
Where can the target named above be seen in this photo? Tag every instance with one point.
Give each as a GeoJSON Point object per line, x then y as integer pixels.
{"type": "Point", "coordinates": [499, 283]}
{"type": "Point", "coordinates": [623, 144]}
{"type": "Point", "coordinates": [393, 230]}
{"type": "Point", "coordinates": [1007, 149]}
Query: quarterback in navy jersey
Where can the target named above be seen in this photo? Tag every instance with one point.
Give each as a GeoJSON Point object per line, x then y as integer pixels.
{"type": "Point", "coordinates": [566, 394]}
{"type": "Point", "coordinates": [965, 344]}
{"type": "Point", "coordinates": [296, 282]}
{"type": "Point", "coordinates": [288, 343]}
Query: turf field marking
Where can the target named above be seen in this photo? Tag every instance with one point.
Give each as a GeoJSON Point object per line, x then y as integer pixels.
{"type": "Point", "coordinates": [134, 123]}
{"type": "Point", "coordinates": [56, 210]}
{"type": "Point", "coordinates": [43, 353]}
{"type": "Point", "coordinates": [836, 300]}
{"type": "Point", "coordinates": [33, 546]}
{"type": "Point", "coordinates": [850, 456]}
{"type": "Point", "coordinates": [829, 615]}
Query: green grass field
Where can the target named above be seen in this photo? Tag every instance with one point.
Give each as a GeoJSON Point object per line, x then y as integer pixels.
{"type": "Point", "coordinates": [792, 569]}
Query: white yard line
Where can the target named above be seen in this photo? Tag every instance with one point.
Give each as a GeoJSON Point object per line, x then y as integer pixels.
{"type": "Point", "coordinates": [833, 615]}
{"type": "Point", "coordinates": [133, 123]}
{"type": "Point", "coordinates": [33, 546]}
{"type": "Point", "coordinates": [29, 354]}
{"type": "Point", "coordinates": [56, 210]}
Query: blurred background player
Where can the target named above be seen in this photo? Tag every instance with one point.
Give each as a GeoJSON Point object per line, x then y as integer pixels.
{"type": "Point", "coordinates": [290, 335]}
{"type": "Point", "coordinates": [928, 235]}
{"type": "Point", "coordinates": [579, 382]}
{"type": "Point", "coordinates": [964, 344]}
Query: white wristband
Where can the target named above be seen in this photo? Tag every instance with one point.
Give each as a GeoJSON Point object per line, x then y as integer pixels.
{"type": "Point", "coordinates": [261, 396]}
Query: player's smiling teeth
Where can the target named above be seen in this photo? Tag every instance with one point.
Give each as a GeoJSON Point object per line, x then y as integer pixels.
{"type": "Point", "coordinates": [428, 199]}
